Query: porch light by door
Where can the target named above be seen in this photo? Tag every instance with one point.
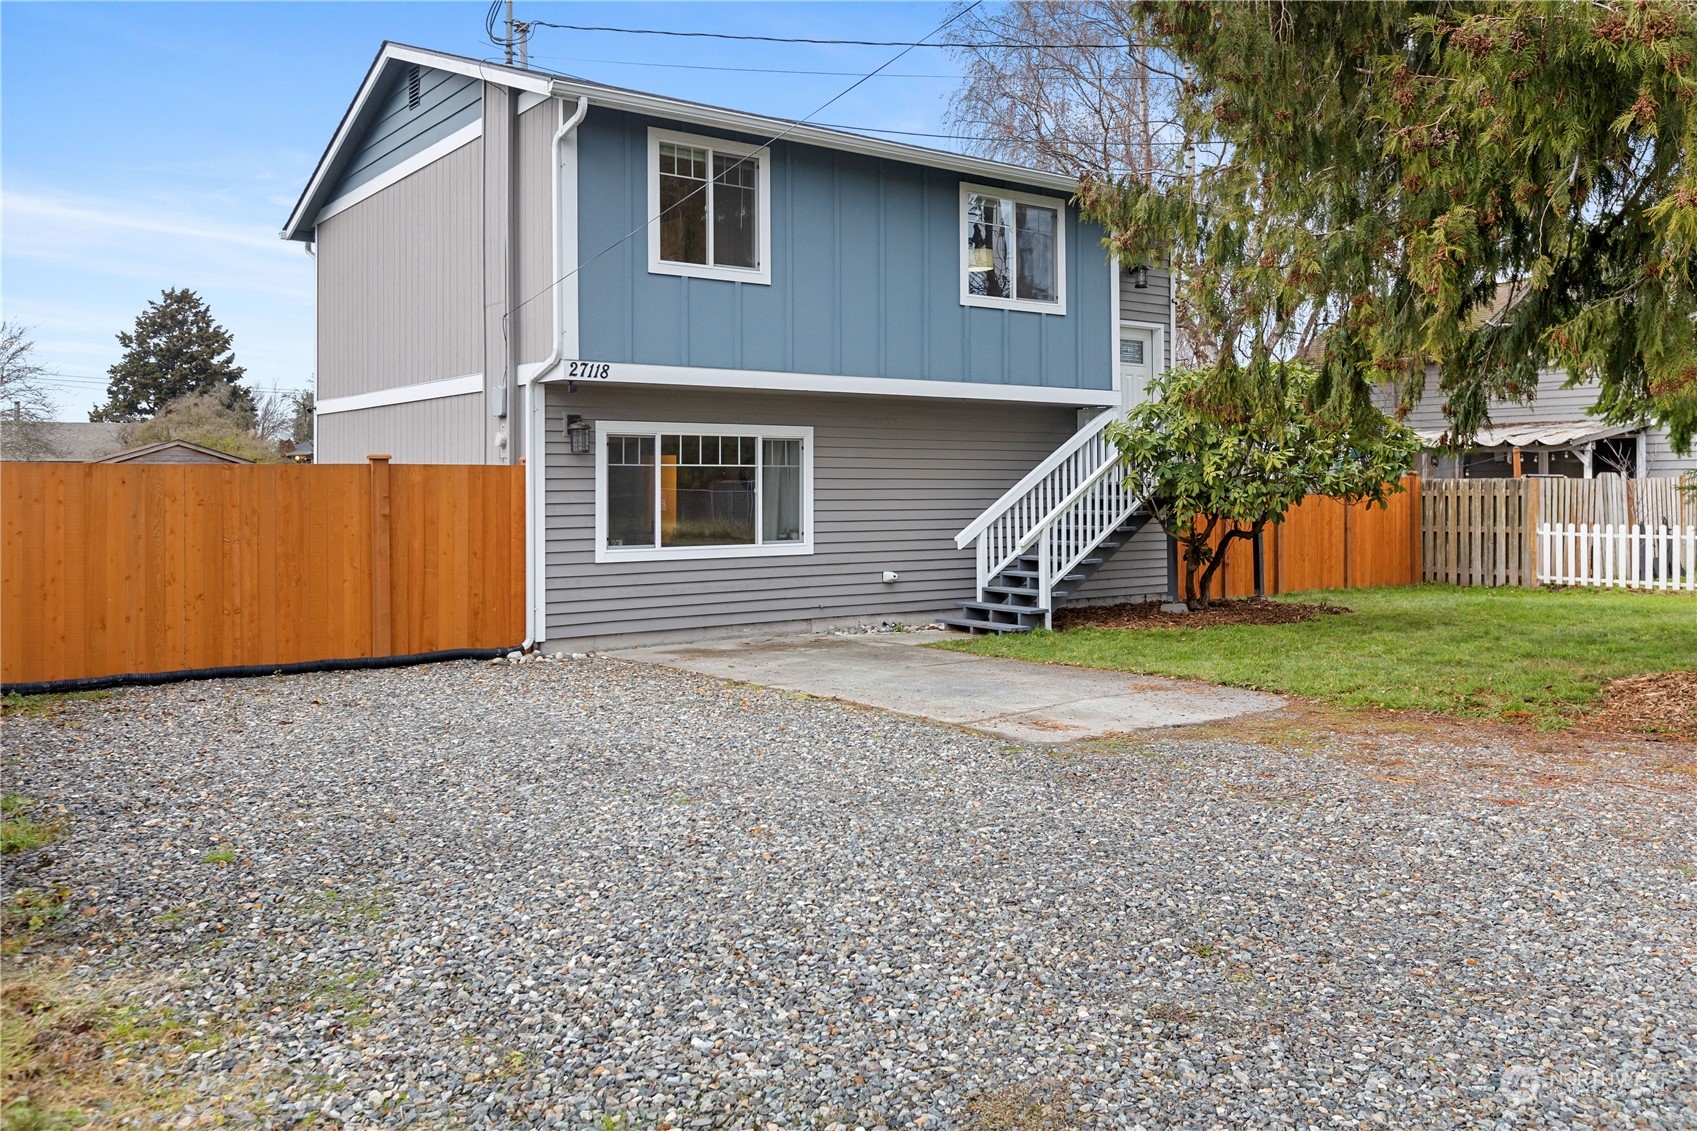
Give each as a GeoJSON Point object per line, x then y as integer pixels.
{"type": "Point", "coordinates": [578, 435]}
{"type": "Point", "coordinates": [1140, 276]}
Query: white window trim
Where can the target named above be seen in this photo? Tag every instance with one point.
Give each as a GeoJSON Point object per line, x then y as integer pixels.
{"type": "Point", "coordinates": [606, 428]}
{"type": "Point", "coordinates": [1059, 204]}
{"type": "Point", "coordinates": [763, 204]}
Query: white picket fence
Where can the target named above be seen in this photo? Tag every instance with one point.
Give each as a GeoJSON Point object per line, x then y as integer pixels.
{"type": "Point", "coordinates": [1608, 555]}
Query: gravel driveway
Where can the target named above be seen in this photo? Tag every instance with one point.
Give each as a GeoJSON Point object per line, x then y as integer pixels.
{"type": "Point", "coordinates": [600, 894]}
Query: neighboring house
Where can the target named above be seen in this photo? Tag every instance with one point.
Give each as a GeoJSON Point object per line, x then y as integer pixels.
{"type": "Point", "coordinates": [1552, 433]}
{"type": "Point", "coordinates": [778, 405]}
{"type": "Point", "coordinates": [172, 451]}
{"type": "Point", "coordinates": [59, 441]}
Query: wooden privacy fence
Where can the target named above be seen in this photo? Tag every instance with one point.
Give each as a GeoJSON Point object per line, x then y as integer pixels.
{"type": "Point", "coordinates": [112, 569]}
{"type": "Point", "coordinates": [1483, 531]}
{"type": "Point", "coordinates": [1474, 531]}
{"type": "Point", "coordinates": [1323, 544]}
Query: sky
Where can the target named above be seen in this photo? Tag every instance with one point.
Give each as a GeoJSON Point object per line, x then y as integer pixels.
{"type": "Point", "coordinates": [145, 146]}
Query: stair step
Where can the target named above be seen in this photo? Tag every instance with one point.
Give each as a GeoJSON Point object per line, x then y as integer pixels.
{"type": "Point", "coordinates": [1031, 573]}
{"type": "Point", "coordinates": [1012, 590]}
{"type": "Point", "coordinates": [977, 626]}
{"type": "Point", "coordinates": [993, 607]}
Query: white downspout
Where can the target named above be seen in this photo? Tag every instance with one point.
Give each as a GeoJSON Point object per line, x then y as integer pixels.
{"type": "Point", "coordinates": [535, 417]}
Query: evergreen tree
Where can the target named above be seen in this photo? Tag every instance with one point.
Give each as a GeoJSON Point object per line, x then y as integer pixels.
{"type": "Point", "coordinates": [1487, 186]}
{"type": "Point", "coordinates": [176, 349]}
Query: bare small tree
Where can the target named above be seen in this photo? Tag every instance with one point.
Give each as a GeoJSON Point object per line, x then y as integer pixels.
{"type": "Point", "coordinates": [23, 395]}
{"type": "Point", "coordinates": [1074, 88]}
{"type": "Point", "coordinates": [1066, 87]}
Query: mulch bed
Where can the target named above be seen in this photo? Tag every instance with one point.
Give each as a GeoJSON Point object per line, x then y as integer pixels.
{"type": "Point", "coordinates": [1664, 704]}
{"type": "Point", "coordinates": [1148, 614]}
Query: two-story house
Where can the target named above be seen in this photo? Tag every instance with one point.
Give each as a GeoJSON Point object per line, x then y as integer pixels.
{"type": "Point", "coordinates": [760, 373]}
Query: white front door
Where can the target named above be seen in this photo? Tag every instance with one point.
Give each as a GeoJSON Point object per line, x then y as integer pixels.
{"type": "Point", "coordinates": [1137, 364]}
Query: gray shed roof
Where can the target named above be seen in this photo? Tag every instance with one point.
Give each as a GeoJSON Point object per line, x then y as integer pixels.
{"type": "Point", "coordinates": [173, 451]}
{"type": "Point", "coordinates": [67, 441]}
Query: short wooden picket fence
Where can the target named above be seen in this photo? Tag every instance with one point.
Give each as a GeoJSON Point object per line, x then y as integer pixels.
{"type": "Point", "coordinates": [1612, 556]}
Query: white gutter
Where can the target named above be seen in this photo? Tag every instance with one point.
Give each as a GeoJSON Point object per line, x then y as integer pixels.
{"type": "Point", "coordinates": [535, 416]}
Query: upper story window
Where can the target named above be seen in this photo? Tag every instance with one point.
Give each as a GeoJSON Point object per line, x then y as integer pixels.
{"type": "Point", "coordinates": [1013, 250]}
{"type": "Point", "coordinates": [713, 203]}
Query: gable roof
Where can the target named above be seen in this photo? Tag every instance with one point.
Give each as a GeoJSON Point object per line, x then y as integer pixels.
{"type": "Point", "coordinates": [362, 110]}
{"type": "Point", "coordinates": [183, 447]}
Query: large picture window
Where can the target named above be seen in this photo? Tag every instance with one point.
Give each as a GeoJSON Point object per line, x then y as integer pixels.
{"type": "Point", "coordinates": [1013, 250]}
{"type": "Point", "coordinates": [702, 490]}
{"type": "Point", "coordinates": [710, 201]}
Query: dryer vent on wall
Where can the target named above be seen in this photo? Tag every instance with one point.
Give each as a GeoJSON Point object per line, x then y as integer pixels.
{"type": "Point", "coordinates": [412, 87]}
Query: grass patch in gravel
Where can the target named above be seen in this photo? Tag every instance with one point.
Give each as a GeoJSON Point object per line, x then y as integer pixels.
{"type": "Point", "coordinates": [1532, 655]}
{"type": "Point", "coordinates": [19, 832]}
{"type": "Point", "coordinates": [44, 706]}
{"type": "Point", "coordinates": [74, 1055]}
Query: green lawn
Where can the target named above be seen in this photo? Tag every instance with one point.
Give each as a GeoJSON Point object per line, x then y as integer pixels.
{"type": "Point", "coordinates": [1477, 652]}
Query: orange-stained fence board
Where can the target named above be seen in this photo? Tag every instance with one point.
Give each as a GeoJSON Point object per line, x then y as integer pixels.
{"type": "Point", "coordinates": [130, 568]}
{"type": "Point", "coordinates": [1312, 546]}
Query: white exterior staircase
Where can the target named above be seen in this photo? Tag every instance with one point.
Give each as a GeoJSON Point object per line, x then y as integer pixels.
{"type": "Point", "coordinates": [1048, 533]}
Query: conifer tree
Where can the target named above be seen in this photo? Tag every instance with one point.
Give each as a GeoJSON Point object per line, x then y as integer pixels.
{"type": "Point", "coordinates": [176, 349]}
{"type": "Point", "coordinates": [1486, 186]}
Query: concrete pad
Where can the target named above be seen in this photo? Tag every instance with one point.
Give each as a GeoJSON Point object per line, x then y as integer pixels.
{"type": "Point", "coordinates": [1046, 703]}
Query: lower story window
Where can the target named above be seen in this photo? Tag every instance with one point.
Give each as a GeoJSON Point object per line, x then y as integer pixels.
{"type": "Point", "coordinates": [682, 491]}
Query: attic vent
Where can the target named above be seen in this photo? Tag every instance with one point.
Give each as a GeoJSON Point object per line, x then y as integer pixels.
{"type": "Point", "coordinates": [412, 87]}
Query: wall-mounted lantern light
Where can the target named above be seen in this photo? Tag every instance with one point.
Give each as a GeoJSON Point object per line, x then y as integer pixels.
{"type": "Point", "coordinates": [1140, 277]}
{"type": "Point", "coordinates": [578, 433]}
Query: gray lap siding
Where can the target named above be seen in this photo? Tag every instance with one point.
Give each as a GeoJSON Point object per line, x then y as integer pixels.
{"type": "Point", "coordinates": [894, 480]}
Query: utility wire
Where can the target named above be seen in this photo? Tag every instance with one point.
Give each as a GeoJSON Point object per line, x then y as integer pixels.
{"type": "Point", "coordinates": [785, 132]}
{"type": "Point", "coordinates": [909, 44]}
{"type": "Point", "coordinates": [742, 70]}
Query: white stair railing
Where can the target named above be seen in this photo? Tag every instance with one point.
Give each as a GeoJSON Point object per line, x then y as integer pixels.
{"type": "Point", "coordinates": [1065, 507]}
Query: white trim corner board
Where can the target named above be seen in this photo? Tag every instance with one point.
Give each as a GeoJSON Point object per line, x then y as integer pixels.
{"type": "Point", "coordinates": [403, 394]}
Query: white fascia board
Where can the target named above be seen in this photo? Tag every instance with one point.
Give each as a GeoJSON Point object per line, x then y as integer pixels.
{"type": "Point", "coordinates": [659, 106]}
{"type": "Point", "coordinates": [297, 217]}
{"type": "Point", "coordinates": [694, 113]}
{"type": "Point", "coordinates": [463, 136]}
{"type": "Point", "coordinates": [395, 52]}
{"type": "Point", "coordinates": [403, 394]}
{"type": "Point", "coordinates": [534, 81]}
{"type": "Point", "coordinates": [761, 380]}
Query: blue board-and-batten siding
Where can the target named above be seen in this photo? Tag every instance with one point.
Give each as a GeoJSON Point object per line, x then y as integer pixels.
{"type": "Point", "coordinates": [865, 277]}
{"type": "Point", "coordinates": [447, 103]}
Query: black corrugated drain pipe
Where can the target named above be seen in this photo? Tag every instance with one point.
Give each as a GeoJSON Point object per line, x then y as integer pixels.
{"type": "Point", "coordinates": [248, 671]}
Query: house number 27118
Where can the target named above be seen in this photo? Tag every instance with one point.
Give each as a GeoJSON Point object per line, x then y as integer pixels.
{"type": "Point", "coordinates": [588, 370]}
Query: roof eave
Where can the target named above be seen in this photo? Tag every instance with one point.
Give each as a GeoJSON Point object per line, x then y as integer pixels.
{"type": "Point", "coordinates": [300, 227]}
{"type": "Point", "coordinates": [693, 112]}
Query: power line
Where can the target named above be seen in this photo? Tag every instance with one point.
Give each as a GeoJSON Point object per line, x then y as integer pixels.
{"type": "Point", "coordinates": [741, 70]}
{"type": "Point", "coordinates": [785, 132]}
{"type": "Point", "coordinates": [908, 44]}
